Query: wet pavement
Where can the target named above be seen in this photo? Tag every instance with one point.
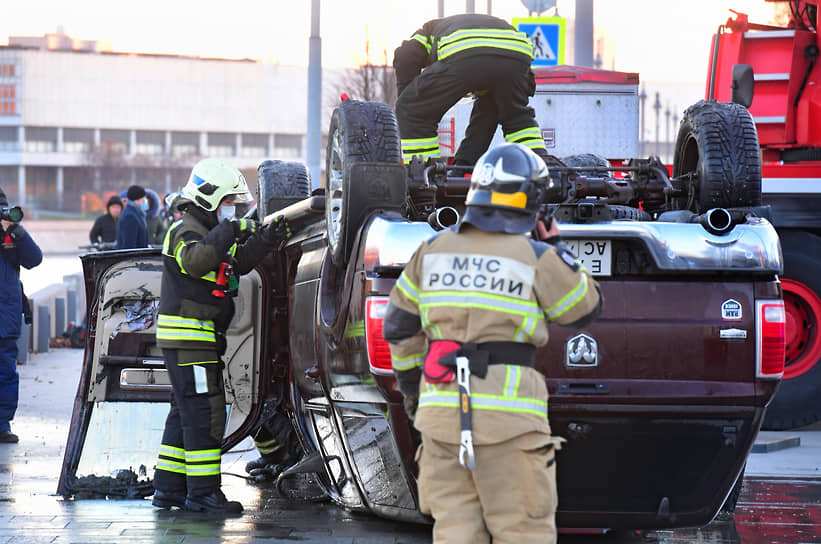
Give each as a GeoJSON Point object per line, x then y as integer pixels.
{"type": "Point", "coordinates": [780, 501]}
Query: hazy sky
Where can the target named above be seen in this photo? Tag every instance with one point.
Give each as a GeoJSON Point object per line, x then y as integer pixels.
{"type": "Point", "coordinates": [660, 39]}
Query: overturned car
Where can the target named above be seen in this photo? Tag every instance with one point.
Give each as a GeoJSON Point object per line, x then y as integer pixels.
{"type": "Point", "coordinates": [660, 399]}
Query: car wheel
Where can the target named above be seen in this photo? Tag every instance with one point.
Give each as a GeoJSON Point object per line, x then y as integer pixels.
{"type": "Point", "coordinates": [360, 132]}
{"type": "Point", "coordinates": [281, 183]}
{"type": "Point", "coordinates": [717, 145]}
{"type": "Point", "coordinates": [583, 160]}
{"type": "Point", "coordinates": [796, 401]}
{"type": "Point", "coordinates": [627, 212]}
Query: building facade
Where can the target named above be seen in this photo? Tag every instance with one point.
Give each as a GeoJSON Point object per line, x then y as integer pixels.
{"type": "Point", "coordinates": [76, 123]}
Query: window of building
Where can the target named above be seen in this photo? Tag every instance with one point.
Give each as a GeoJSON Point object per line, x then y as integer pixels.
{"type": "Point", "coordinates": [8, 102]}
{"type": "Point", "coordinates": [221, 144]}
{"type": "Point", "coordinates": [150, 142]}
{"type": "Point", "coordinates": [287, 146]}
{"type": "Point", "coordinates": [254, 145]}
{"type": "Point", "coordinates": [78, 140]}
{"type": "Point", "coordinates": [7, 70]}
{"type": "Point", "coordinates": [8, 139]}
{"type": "Point", "coordinates": [40, 139]}
{"type": "Point", "coordinates": [115, 141]}
{"type": "Point", "coordinates": [184, 143]}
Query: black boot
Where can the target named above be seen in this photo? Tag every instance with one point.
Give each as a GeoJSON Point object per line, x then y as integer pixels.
{"type": "Point", "coordinates": [260, 462]}
{"type": "Point", "coordinates": [168, 499]}
{"type": "Point", "coordinates": [213, 502]}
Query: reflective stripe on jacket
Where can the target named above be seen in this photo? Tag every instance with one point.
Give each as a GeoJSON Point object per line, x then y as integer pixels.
{"type": "Point", "coordinates": [458, 36]}
{"type": "Point", "coordinates": [477, 286]}
{"type": "Point", "coordinates": [190, 316]}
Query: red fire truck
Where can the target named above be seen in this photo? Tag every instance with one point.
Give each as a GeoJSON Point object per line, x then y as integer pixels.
{"type": "Point", "coordinates": [785, 79]}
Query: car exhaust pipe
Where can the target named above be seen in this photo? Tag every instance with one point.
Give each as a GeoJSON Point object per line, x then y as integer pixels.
{"type": "Point", "coordinates": [719, 221]}
{"type": "Point", "coordinates": [444, 217]}
{"type": "Point", "coordinates": [300, 214]}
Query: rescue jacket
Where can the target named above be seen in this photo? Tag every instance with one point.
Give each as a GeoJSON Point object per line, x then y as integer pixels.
{"type": "Point", "coordinates": [458, 37]}
{"type": "Point", "coordinates": [190, 316]}
{"type": "Point", "coordinates": [472, 286]}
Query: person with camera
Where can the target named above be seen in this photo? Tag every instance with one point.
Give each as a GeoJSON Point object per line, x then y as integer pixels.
{"type": "Point", "coordinates": [464, 321]}
{"type": "Point", "coordinates": [204, 253]}
{"type": "Point", "coordinates": [17, 249]}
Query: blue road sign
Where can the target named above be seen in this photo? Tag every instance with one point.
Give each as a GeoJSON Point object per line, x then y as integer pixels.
{"type": "Point", "coordinates": [547, 34]}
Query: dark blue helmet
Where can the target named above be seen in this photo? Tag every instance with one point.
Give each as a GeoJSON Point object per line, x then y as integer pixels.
{"type": "Point", "coordinates": [506, 191]}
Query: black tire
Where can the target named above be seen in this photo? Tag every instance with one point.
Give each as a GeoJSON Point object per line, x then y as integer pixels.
{"type": "Point", "coordinates": [360, 132]}
{"type": "Point", "coordinates": [627, 212]}
{"type": "Point", "coordinates": [588, 159]}
{"type": "Point", "coordinates": [797, 401]}
{"type": "Point", "coordinates": [717, 144]}
{"type": "Point", "coordinates": [281, 183]}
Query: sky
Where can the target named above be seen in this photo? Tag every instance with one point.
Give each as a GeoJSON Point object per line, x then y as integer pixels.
{"type": "Point", "coordinates": [663, 40]}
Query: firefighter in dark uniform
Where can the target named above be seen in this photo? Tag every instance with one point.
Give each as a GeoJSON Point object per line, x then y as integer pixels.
{"type": "Point", "coordinates": [203, 256]}
{"type": "Point", "coordinates": [483, 292]}
{"type": "Point", "coordinates": [448, 58]}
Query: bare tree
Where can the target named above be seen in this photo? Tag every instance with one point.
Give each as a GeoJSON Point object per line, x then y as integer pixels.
{"type": "Point", "coordinates": [369, 81]}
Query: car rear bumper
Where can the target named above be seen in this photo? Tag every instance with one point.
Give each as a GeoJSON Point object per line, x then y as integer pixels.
{"type": "Point", "coordinates": [650, 467]}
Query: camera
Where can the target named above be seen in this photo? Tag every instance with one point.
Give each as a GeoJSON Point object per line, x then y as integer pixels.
{"type": "Point", "coordinates": [13, 214]}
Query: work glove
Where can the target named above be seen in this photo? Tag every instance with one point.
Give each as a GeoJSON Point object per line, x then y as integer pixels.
{"type": "Point", "coordinates": [244, 228]}
{"type": "Point", "coordinates": [277, 230]}
{"type": "Point", "coordinates": [411, 403]}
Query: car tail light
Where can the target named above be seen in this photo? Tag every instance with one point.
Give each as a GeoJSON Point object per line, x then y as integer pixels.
{"type": "Point", "coordinates": [769, 348]}
{"type": "Point", "coordinates": [379, 352]}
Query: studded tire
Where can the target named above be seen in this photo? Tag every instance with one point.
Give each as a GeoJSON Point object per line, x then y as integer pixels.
{"type": "Point", "coordinates": [360, 132]}
{"type": "Point", "coordinates": [281, 183]}
{"type": "Point", "coordinates": [717, 145]}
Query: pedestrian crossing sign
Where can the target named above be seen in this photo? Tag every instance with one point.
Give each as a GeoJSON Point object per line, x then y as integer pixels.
{"type": "Point", "coordinates": [547, 34]}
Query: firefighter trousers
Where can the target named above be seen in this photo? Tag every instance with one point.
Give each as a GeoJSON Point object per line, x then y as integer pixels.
{"type": "Point", "coordinates": [189, 458]}
{"type": "Point", "coordinates": [502, 86]}
{"type": "Point", "coordinates": [508, 498]}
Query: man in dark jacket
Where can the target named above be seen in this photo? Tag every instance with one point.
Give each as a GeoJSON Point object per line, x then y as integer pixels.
{"type": "Point", "coordinates": [461, 54]}
{"type": "Point", "coordinates": [132, 231]}
{"type": "Point", "coordinates": [105, 227]}
{"type": "Point", "coordinates": [17, 249]}
{"type": "Point", "coordinates": [200, 251]}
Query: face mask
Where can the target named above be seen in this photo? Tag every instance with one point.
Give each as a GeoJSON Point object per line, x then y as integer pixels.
{"type": "Point", "coordinates": [226, 212]}
{"type": "Point", "coordinates": [144, 205]}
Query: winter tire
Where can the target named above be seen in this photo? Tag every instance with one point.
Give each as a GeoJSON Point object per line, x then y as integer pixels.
{"type": "Point", "coordinates": [626, 212]}
{"type": "Point", "coordinates": [281, 183]}
{"type": "Point", "coordinates": [717, 145]}
{"type": "Point", "coordinates": [360, 132]}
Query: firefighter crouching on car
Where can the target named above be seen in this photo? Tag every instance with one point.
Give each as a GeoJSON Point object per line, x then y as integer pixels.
{"type": "Point", "coordinates": [448, 58]}
{"type": "Point", "coordinates": [203, 255]}
{"type": "Point", "coordinates": [486, 289]}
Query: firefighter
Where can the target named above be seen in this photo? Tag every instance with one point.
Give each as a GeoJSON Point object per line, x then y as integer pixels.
{"type": "Point", "coordinates": [203, 255]}
{"type": "Point", "coordinates": [480, 295]}
{"type": "Point", "coordinates": [451, 57]}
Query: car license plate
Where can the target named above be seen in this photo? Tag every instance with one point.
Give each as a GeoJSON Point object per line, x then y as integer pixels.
{"type": "Point", "coordinates": [595, 255]}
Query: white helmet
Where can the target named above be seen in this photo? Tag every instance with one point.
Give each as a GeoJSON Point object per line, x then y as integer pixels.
{"type": "Point", "coordinates": [211, 180]}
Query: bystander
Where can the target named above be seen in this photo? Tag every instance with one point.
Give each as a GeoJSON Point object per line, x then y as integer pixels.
{"type": "Point", "coordinates": [132, 231]}
{"type": "Point", "coordinates": [17, 249]}
{"type": "Point", "coordinates": [104, 229]}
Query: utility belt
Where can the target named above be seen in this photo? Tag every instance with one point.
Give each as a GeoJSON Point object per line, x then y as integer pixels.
{"type": "Point", "coordinates": [440, 362]}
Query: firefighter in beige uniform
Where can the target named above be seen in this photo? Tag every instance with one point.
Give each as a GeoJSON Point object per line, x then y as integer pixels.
{"type": "Point", "coordinates": [485, 291]}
